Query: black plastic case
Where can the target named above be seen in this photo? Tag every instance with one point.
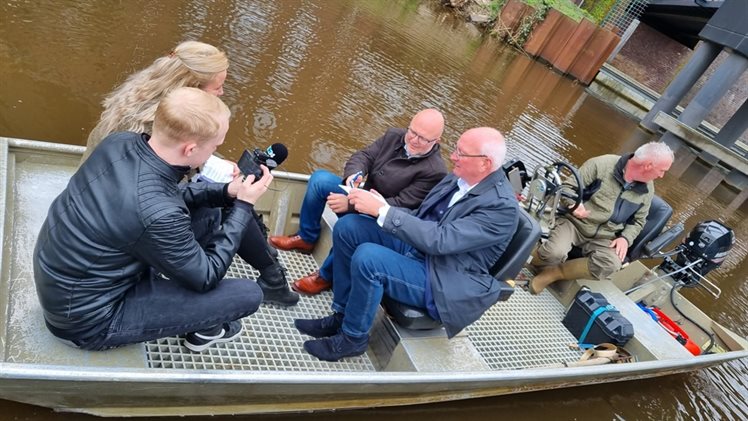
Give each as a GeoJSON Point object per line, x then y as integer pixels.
{"type": "Point", "coordinates": [609, 326]}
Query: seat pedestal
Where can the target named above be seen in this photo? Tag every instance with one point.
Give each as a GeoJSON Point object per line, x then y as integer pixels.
{"type": "Point", "coordinates": [430, 350]}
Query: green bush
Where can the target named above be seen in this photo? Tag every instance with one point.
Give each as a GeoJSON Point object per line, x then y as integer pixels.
{"type": "Point", "coordinates": [495, 7]}
{"type": "Point", "coordinates": [566, 7]}
{"type": "Point", "coordinates": [598, 9]}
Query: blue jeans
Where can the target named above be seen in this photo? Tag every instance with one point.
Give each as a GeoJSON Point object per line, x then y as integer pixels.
{"type": "Point", "coordinates": [368, 262]}
{"type": "Point", "coordinates": [321, 184]}
{"type": "Point", "coordinates": [326, 268]}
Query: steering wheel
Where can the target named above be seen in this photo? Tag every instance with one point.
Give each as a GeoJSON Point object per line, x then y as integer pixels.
{"type": "Point", "coordinates": [573, 193]}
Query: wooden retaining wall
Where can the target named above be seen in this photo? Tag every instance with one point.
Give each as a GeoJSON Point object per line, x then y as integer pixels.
{"type": "Point", "coordinates": [577, 49]}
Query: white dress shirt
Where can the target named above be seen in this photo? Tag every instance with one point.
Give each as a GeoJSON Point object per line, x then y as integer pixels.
{"type": "Point", "coordinates": [462, 189]}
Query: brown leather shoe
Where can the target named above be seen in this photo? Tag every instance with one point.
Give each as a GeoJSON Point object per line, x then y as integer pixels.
{"type": "Point", "coordinates": [290, 243]}
{"type": "Point", "coordinates": [311, 284]}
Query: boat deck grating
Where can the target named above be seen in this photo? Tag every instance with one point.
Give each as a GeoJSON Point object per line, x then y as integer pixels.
{"type": "Point", "coordinates": [524, 332]}
{"type": "Point", "coordinates": [269, 342]}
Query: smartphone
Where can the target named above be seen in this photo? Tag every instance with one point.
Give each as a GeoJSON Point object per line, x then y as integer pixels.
{"type": "Point", "coordinates": [355, 178]}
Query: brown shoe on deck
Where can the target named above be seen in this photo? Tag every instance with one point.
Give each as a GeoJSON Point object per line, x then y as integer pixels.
{"type": "Point", "coordinates": [290, 243]}
{"type": "Point", "coordinates": [311, 284]}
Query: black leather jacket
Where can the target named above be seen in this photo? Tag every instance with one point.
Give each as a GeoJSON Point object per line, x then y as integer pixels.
{"type": "Point", "coordinates": [122, 214]}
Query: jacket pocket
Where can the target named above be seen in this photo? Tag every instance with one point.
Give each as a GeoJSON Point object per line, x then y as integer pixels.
{"type": "Point", "coordinates": [483, 279]}
{"type": "Point", "coordinates": [624, 211]}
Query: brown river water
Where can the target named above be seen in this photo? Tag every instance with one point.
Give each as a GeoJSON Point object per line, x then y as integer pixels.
{"type": "Point", "coordinates": [327, 77]}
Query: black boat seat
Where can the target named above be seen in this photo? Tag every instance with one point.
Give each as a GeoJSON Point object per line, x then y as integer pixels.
{"type": "Point", "coordinates": [506, 267]}
{"type": "Point", "coordinates": [659, 213]}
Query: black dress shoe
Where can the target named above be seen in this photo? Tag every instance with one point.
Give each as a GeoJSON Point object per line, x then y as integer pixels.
{"type": "Point", "coordinates": [320, 328]}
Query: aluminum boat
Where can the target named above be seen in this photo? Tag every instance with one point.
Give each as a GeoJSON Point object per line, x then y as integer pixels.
{"type": "Point", "coordinates": [519, 345]}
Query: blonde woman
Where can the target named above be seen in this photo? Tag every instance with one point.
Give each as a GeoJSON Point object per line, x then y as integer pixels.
{"type": "Point", "coordinates": [132, 107]}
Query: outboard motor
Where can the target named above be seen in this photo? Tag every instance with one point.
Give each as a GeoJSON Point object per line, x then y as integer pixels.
{"type": "Point", "coordinates": [703, 250]}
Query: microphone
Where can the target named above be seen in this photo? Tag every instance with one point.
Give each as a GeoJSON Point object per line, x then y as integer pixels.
{"type": "Point", "coordinates": [275, 155]}
{"type": "Point", "coordinates": [272, 157]}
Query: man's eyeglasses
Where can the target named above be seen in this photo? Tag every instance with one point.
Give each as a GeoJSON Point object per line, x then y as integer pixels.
{"type": "Point", "coordinates": [461, 155]}
{"type": "Point", "coordinates": [413, 133]}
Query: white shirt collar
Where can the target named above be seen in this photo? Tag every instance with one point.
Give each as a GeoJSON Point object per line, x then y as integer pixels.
{"type": "Point", "coordinates": [462, 189]}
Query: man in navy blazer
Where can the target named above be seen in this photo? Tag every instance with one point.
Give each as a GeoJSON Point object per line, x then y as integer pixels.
{"type": "Point", "coordinates": [436, 257]}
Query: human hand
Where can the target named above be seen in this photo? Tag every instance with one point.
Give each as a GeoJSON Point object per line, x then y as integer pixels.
{"type": "Point", "coordinates": [249, 190]}
{"type": "Point", "coordinates": [338, 202]}
{"type": "Point", "coordinates": [234, 187]}
{"type": "Point", "coordinates": [366, 201]}
{"type": "Point", "coordinates": [581, 212]}
{"type": "Point", "coordinates": [235, 173]}
{"type": "Point", "coordinates": [355, 180]}
{"type": "Point", "coordinates": [621, 247]}
{"type": "Point", "coordinates": [235, 184]}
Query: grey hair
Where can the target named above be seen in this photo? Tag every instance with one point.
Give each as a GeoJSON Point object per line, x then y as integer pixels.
{"type": "Point", "coordinates": [655, 151]}
{"type": "Point", "coordinates": [495, 149]}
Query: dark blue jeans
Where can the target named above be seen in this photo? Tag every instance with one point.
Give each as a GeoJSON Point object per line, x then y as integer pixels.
{"type": "Point", "coordinates": [157, 307]}
{"type": "Point", "coordinates": [368, 262]}
{"type": "Point", "coordinates": [320, 185]}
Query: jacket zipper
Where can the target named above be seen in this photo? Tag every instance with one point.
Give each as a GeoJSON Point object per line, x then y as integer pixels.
{"type": "Point", "coordinates": [617, 205]}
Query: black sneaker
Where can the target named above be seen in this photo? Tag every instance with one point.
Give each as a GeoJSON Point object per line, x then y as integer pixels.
{"type": "Point", "coordinates": [320, 328]}
{"type": "Point", "coordinates": [202, 340]}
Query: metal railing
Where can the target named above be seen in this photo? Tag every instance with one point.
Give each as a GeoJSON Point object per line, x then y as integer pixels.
{"type": "Point", "coordinates": [622, 13]}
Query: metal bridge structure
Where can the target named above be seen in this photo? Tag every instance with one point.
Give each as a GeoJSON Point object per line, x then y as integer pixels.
{"type": "Point", "coordinates": [726, 30]}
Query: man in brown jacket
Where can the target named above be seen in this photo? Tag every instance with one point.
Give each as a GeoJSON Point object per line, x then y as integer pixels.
{"type": "Point", "coordinates": [402, 165]}
{"type": "Point", "coordinates": [618, 192]}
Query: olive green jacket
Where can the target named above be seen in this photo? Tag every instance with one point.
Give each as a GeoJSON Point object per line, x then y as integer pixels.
{"type": "Point", "coordinates": [616, 210]}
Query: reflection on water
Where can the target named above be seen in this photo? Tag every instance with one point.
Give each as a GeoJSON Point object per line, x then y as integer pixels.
{"type": "Point", "coordinates": [326, 78]}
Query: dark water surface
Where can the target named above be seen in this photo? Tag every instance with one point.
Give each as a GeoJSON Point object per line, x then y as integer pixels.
{"type": "Point", "coordinates": [326, 78]}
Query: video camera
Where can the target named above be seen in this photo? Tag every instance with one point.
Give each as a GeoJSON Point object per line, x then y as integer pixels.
{"type": "Point", "coordinates": [272, 157]}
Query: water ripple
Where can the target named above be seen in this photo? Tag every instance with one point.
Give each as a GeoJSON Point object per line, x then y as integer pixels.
{"type": "Point", "coordinates": [327, 78]}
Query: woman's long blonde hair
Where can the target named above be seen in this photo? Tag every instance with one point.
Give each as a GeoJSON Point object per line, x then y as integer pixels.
{"type": "Point", "coordinates": [132, 105]}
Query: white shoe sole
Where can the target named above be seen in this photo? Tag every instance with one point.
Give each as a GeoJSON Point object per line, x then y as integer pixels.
{"type": "Point", "coordinates": [201, 348]}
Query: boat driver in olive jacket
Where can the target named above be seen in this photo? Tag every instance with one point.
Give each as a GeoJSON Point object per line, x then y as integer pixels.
{"type": "Point", "coordinates": [436, 257]}
{"type": "Point", "coordinates": [617, 196]}
{"type": "Point", "coordinates": [117, 260]}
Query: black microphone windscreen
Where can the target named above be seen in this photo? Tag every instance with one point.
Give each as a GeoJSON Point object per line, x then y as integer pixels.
{"type": "Point", "coordinates": [280, 151]}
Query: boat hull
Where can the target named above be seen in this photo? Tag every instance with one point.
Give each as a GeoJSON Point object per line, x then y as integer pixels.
{"type": "Point", "coordinates": [166, 392]}
{"type": "Point", "coordinates": [36, 369]}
